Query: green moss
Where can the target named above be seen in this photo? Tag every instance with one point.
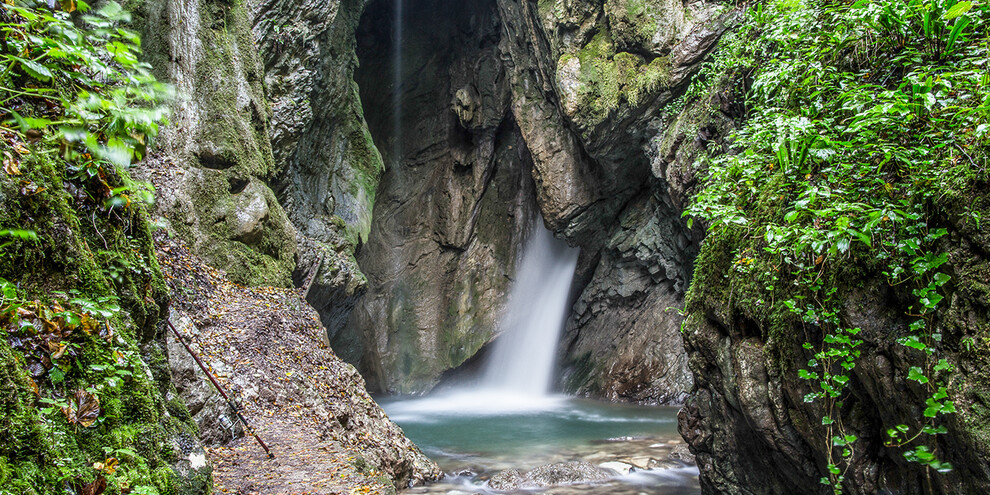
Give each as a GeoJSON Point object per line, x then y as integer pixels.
{"type": "Point", "coordinates": [549, 9]}
{"type": "Point", "coordinates": [607, 78]}
{"type": "Point", "coordinates": [96, 253]}
{"type": "Point", "coordinates": [635, 8]}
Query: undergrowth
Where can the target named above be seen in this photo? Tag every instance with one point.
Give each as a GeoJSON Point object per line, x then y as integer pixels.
{"type": "Point", "coordinates": [861, 118]}
{"type": "Point", "coordinates": [82, 408]}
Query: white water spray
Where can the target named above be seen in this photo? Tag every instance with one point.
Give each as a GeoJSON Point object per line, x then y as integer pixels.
{"type": "Point", "coordinates": [518, 376]}
{"type": "Point", "coordinates": [523, 357]}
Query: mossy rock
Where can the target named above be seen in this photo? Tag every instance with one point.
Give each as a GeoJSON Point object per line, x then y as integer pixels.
{"type": "Point", "coordinates": [95, 251]}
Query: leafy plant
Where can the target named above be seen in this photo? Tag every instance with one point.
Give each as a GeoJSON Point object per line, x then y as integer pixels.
{"type": "Point", "coordinates": [860, 115]}
{"type": "Point", "coordinates": [107, 104]}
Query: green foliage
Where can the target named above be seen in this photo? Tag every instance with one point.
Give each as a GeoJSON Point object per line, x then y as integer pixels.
{"type": "Point", "coordinates": [99, 100]}
{"type": "Point", "coordinates": [81, 289]}
{"type": "Point", "coordinates": [861, 116]}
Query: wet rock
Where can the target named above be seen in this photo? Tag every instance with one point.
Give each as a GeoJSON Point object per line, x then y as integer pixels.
{"type": "Point", "coordinates": [620, 468]}
{"type": "Point", "coordinates": [561, 473]}
{"type": "Point", "coordinates": [454, 202]}
{"type": "Point", "coordinates": [681, 452]}
{"type": "Point", "coordinates": [217, 423]}
{"type": "Point", "coordinates": [251, 210]}
{"type": "Point", "coordinates": [507, 480]}
{"type": "Point", "coordinates": [565, 473]}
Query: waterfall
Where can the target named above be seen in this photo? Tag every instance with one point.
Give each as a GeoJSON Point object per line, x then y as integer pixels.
{"type": "Point", "coordinates": [523, 357]}
{"type": "Point", "coordinates": [519, 373]}
{"type": "Point", "coordinates": [397, 28]}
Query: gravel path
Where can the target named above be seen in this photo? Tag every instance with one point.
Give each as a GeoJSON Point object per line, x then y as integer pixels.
{"type": "Point", "coordinates": [267, 348]}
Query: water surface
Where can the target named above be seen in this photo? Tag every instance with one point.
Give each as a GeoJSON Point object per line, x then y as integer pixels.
{"type": "Point", "coordinates": [475, 435]}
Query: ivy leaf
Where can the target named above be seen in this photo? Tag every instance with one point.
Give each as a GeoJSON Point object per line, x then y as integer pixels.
{"type": "Point", "coordinates": [943, 365]}
{"type": "Point", "coordinates": [916, 374]}
{"type": "Point", "coordinates": [912, 341]}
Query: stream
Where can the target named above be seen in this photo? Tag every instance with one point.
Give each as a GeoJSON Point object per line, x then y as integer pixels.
{"type": "Point", "coordinates": [474, 437]}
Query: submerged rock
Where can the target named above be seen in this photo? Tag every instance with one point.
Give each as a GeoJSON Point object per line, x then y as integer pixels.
{"type": "Point", "coordinates": [560, 473]}
{"type": "Point", "coordinates": [620, 468]}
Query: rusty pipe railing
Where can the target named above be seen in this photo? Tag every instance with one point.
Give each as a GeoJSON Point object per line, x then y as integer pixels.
{"type": "Point", "coordinates": [230, 403]}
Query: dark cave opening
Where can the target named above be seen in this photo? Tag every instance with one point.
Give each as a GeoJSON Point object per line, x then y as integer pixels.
{"type": "Point", "coordinates": [411, 72]}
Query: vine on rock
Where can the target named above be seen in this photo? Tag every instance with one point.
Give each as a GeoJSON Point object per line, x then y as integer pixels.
{"type": "Point", "coordinates": [861, 116]}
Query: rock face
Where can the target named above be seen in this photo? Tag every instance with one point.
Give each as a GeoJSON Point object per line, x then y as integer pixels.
{"type": "Point", "coordinates": [279, 169]}
{"type": "Point", "coordinates": [492, 114]}
{"type": "Point", "coordinates": [217, 423]}
{"type": "Point", "coordinates": [221, 202]}
{"type": "Point", "coordinates": [328, 166]}
{"type": "Point", "coordinates": [483, 95]}
{"type": "Point", "coordinates": [747, 421]}
{"type": "Point", "coordinates": [455, 201]}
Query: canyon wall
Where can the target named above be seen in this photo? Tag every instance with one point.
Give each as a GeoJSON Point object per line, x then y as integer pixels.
{"type": "Point", "coordinates": [501, 103]}
{"type": "Point", "coordinates": [427, 166]}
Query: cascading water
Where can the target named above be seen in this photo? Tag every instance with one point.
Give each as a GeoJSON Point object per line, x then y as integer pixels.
{"type": "Point", "coordinates": [523, 357]}
{"type": "Point", "coordinates": [510, 420]}
{"type": "Point", "coordinates": [397, 35]}
{"type": "Point", "coordinates": [519, 374]}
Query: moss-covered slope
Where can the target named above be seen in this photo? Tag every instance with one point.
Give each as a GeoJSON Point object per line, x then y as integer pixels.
{"type": "Point", "coordinates": [88, 261]}
{"type": "Point", "coordinates": [838, 317]}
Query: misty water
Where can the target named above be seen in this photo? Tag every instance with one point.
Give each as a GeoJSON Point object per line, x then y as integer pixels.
{"type": "Point", "coordinates": [509, 420]}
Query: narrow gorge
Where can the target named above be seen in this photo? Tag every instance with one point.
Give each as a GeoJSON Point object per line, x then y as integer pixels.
{"type": "Point", "coordinates": [763, 234]}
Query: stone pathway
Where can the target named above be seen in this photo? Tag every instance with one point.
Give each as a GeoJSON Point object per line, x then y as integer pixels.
{"type": "Point", "coordinates": [303, 463]}
{"type": "Point", "coordinates": [268, 350]}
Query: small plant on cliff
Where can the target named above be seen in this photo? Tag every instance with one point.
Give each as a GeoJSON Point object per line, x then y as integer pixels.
{"type": "Point", "coordinates": [862, 116]}
{"type": "Point", "coordinates": [73, 79]}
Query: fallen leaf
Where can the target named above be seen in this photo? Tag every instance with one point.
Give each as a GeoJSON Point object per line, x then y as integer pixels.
{"type": "Point", "coordinates": [83, 410]}
{"type": "Point", "coordinates": [88, 323]}
{"type": "Point", "coordinates": [97, 487]}
{"type": "Point", "coordinates": [10, 165]}
{"type": "Point", "coordinates": [57, 349]}
{"type": "Point", "coordinates": [108, 466]}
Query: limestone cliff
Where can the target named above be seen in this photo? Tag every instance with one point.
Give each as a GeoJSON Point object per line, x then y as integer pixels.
{"type": "Point", "coordinates": [221, 200]}
{"type": "Point", "coordinates": [490, 94]}
{"type": "Point", "coordinates": [455, 200]}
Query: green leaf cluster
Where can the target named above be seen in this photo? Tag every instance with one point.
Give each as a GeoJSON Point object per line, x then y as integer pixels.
{"type": "Point", "coordinates": [860, 116]}
{"type": "Point", "coordinates": [75, 79]}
